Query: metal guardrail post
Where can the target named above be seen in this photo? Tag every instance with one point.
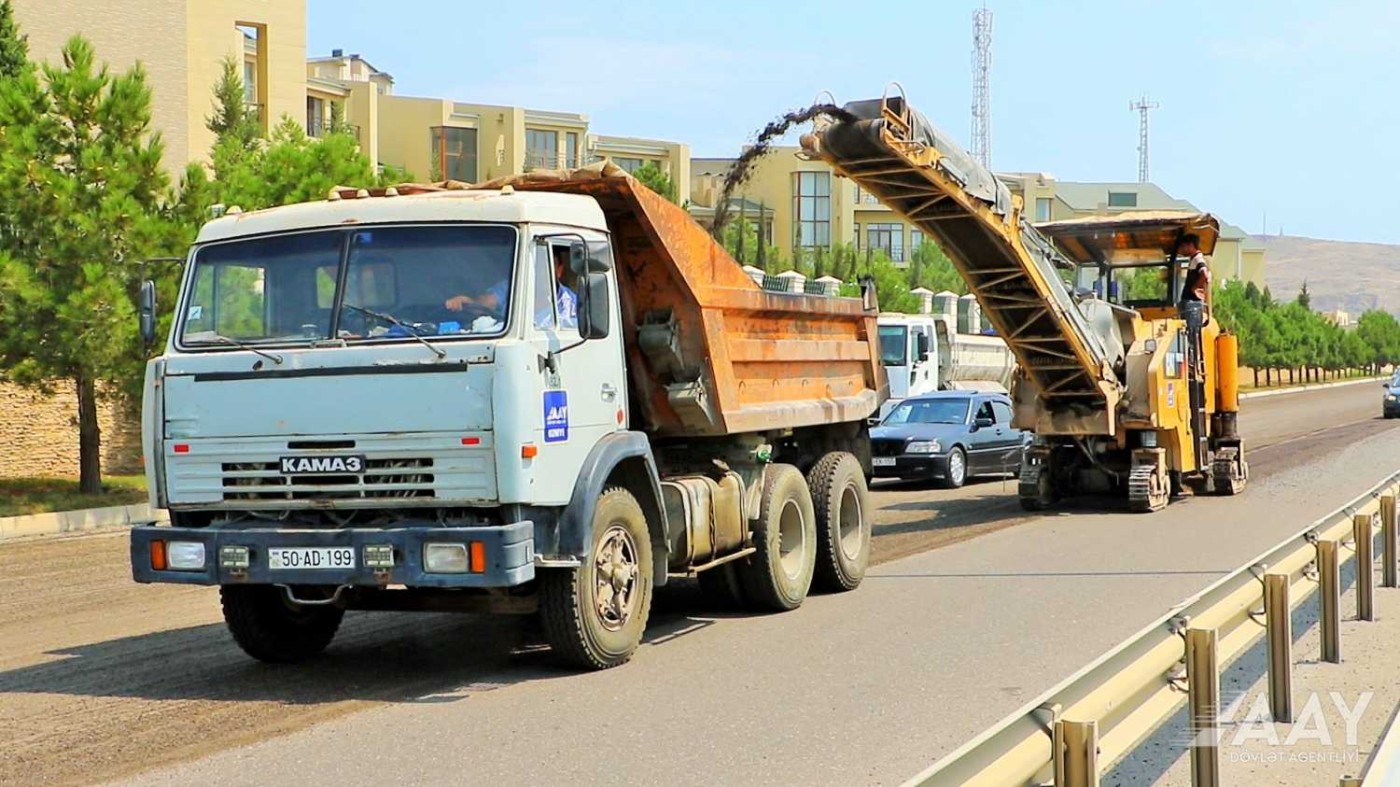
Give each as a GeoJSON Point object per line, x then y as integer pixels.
{"type": "Point", "coordinates": [1388, 557]}
{"type": "Point", "coordinates": [1349, 781]}
{"type": "Point", "coordinates": [1365, 567]}
{"type": "Point", "coordinates": [1329, 593]}
{"type": "Point", "coordinates": [1279, 624]}
{"type": "Point", "coordinates": [1076, 753]}
{"type": "Point", "coordinates": [1203, 699]}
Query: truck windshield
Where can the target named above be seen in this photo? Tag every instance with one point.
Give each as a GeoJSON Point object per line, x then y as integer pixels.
{"type": "Point", "coordinates": [894, 343]}
{"type": "Point", "coordinates": [382, 282]}
{"type": "Point", "coordinates": [928, 411]}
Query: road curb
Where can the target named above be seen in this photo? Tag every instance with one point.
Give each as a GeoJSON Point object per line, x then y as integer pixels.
{"type": "Point", "coordinates": [78, 521]}
{"type": "Point", "coordinates": [1311, 387]}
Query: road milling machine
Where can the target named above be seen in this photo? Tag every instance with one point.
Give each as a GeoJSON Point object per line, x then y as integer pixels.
{"type": "Point", "coordinates": [1129, 389]}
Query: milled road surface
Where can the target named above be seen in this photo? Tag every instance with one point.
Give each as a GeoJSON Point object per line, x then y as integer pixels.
{"type": "Point", "coordinates": [101, 678]}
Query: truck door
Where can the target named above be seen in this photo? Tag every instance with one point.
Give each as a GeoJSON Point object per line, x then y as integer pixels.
{"type": "Point", "coordinates": [584, 397]}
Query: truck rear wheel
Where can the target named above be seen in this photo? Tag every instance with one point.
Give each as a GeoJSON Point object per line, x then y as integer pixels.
{"type": "Point", "coordinates": [779, 574]}
{"type": "Point", "coordinates": [841, 502]}
{"type": "Point", "coordinates": [269, 627]}
{"type": "Point", "coordinates": [594, 615]}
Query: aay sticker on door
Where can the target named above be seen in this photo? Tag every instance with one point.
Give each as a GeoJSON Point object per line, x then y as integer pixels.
{"type": "Point", "coordinates": [556, 416]}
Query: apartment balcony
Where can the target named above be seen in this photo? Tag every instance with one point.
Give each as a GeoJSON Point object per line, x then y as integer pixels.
{"type": "Point", "coordinates": [320, 127]}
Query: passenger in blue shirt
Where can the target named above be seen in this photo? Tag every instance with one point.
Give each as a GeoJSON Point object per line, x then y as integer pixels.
{"type": "Point", "coordinates": [496, 297]}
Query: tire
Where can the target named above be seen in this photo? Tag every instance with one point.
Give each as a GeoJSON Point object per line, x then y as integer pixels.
{"type": "Point", "coordinates": [841, 502]}
{"type": "Point", "coordinates": [270, 628]}
{"type": "Point", "coordinates": [779, 574]}
{"type": "Point", "coordinates": [952, 480]}
{"type": "Point", "coordinates": [585, 627]}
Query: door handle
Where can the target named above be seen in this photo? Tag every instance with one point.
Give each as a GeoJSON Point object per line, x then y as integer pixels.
{"type": "Point", "coordinates": [609, 392]}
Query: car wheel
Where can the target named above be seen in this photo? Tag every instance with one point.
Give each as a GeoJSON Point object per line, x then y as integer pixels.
{"type": "Point", "coordinates": [957, 469]}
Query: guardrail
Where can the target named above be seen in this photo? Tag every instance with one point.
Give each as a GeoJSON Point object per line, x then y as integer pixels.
{"type": "Point", "coordinates": [1084, 725]}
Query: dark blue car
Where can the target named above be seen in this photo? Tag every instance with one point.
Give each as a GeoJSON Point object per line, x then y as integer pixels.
{"type": "Point", "coordinates": [1390, 405]}
{"type": "Point", "coordinates": [948, 436]}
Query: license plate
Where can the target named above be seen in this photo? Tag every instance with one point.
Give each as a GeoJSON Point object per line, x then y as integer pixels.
{"type": "Point", "coordinates": [883, 461]}
{"type": "Point", "coordinates": [310, 557]}
{"type": "Point", "coordinates": [322, 465]}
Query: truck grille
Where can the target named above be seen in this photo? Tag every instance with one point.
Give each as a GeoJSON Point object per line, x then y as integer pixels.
{"type": "Point", "coordinates": [382, 478]}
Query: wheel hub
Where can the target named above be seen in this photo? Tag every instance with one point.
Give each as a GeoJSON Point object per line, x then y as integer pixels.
{"type": "Point", "coordinates": [616, 574]}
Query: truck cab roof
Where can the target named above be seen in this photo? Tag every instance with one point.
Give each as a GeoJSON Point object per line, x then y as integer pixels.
{"type": "Point", "coordinates": [500, 206]}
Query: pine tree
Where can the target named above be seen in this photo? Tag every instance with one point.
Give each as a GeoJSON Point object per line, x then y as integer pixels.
{"type": "Point", "coordinates": [81, 172]}
{"type": "Point", "coordinates": [1305, 297]}
{"type": "Point", "coordinates": [14, 47]}
{"type": "Point", "coordinates": [231, 119]}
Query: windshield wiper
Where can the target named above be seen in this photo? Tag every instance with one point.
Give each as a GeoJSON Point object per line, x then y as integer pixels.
{"type": "Point", "coordinates": [221, 339]}
{"type": "Point", "coordinates": [391, 319]}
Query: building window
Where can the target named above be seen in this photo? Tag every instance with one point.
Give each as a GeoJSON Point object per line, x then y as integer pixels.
{"type": "Point", "coordinates": [856, 229]}
{"type": "Point", "coordinates": [454, 153]}
{"type": "Point", "coordinates": [864, 197]}
{"type": "Point", "coordinates": [316, 117]}
{"type": "Point", "coordinates": [1042, 208]}
{"type": "Point", "coordinates": [1122, 199]}
{"type": "Point", "coordinates": [541, 149]}
{"type": "Point", "coordinates": [916, 239]}
{"type": "Point", "coordinates": [571, 149]}
{"type": "Point", "coordinates": [812, 208]}
{"type": "Point", "coordinates": [889, 237]}
{"type": "Point", "coordinates": [629, 165]}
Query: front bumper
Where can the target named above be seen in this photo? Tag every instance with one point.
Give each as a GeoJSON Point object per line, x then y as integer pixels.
{"type": "Point", "coordinates": [1390, 409]}
{"type": "Point", "coordinates": [913, 466]}
{"type": "Point", "coordinates": [510, 555]}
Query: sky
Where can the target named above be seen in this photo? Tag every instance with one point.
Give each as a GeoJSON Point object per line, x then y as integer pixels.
{"type": "Point", "coordinates": [1275, 115]}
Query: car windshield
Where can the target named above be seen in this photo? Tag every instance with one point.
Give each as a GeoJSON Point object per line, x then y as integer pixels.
{"type": "Point", "coordinates": [928, 411]}
{"type": "Point", "coordinates": [367, 283]}
{"type": "Point", "coordinates": [894, 341]}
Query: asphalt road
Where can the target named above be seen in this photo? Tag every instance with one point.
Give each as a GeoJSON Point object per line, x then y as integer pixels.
{"type": "Point", "coordinates": [101, 678]}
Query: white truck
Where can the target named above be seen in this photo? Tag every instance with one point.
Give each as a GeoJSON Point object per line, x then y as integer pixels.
{"type": "Point", "coordinates": [542, 396]}
{"type": "Point", "coordinates": [925, 352]}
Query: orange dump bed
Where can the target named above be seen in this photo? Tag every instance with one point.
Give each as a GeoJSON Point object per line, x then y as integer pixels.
{"type": "Point", "coordinates": [709, 352]}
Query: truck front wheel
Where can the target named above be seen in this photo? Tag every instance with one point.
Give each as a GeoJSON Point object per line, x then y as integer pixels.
{"type": "Point", "coordinates": [842, 504]}
{"type": "Point", "coordinates": [594, 615]}
{"type": "Point", "coordinates": [779, 574]}
{"type": "Point", "coordinates": [270, 628]}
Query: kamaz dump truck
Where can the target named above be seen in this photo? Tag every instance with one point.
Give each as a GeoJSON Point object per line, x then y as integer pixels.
{"type": "Point", "coordinates": [544, 395]}
{"type": "Point", "coordinates": [1136, 396]}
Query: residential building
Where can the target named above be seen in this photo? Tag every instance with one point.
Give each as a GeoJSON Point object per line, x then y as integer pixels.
{"type": "Point", "coordinates": [182, 45]}
{"type": "Point", "coordinates": [805, 205]}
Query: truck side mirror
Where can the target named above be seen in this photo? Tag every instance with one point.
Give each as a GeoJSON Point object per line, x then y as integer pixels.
{"type": "Point", "coordinates": [146, 308]}
{"type": "Point", "coordinates": [593, 317]}
{"type": "Point", "coordinates": [921, 346]}
{"type": "Point", "coordinates": [868, 298]}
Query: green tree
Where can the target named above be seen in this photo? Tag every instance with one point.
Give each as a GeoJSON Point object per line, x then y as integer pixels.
{"type": "Point", "coordinates": [292, 167]}
{"type": "Point", "coordinates": [653, 178]}
{"type": "Point", "coordinates": [84, 190]}
{"type": "Point", "coordinates": [14, 47]}
{"type": "Point", "coordinates": [1305, 297]}
{"type": "Point", "coordinates": [232, 121]}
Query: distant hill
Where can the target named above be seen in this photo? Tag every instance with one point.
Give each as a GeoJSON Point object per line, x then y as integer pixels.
{"type": "Point", "coordinates": [1342, 275]}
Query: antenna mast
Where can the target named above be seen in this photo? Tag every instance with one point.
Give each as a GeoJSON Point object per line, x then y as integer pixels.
{"type": "Point", "coordinates": [1142, 106]}
{"type": "Point", "coordinates": [982, 86]}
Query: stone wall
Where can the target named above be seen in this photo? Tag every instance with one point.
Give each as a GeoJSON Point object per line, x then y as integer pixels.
{"type": "Point", "coordinates": [39, 434]}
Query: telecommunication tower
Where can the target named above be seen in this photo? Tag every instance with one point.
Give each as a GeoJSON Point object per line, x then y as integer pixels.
{"type": "Point", "coordinates": [1142, 106]}
{"type": "Point", "coordinates": [982, 86]}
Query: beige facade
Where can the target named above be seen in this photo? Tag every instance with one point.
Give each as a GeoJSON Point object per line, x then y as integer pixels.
{"type": "Point", "coordinates": [181, 44]}
{"type": "Point", "coordinates": [810, 205]}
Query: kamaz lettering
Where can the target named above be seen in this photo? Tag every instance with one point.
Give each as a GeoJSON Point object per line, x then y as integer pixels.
{"type": "Point", "coordinates": [303, 465]}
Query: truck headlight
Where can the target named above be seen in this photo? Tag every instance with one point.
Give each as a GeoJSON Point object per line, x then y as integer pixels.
{"type": "Point", "coordinates": [445, 558]}
{"type": "Point", "coordinates": [185, 555]}
{"type": "Point", "coordinates": [922, 447]}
